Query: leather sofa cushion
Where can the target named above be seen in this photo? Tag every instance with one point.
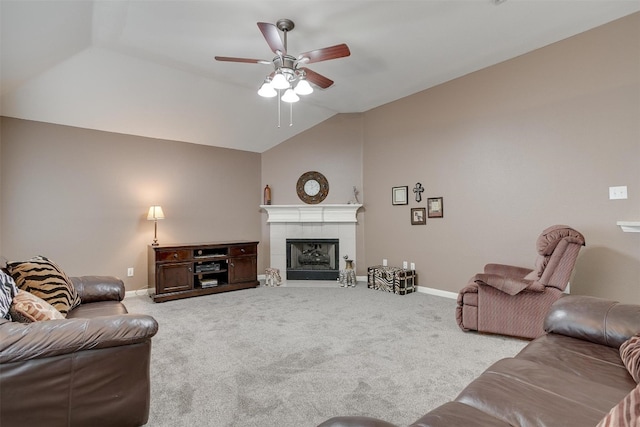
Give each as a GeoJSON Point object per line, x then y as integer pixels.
{"type": "Point", "coordinates": [523, 393]}
{"type": "Point", "coordinates": [597, 363]}
{"type": "Point", "coordinates": [95, 309]}
{"type": "Point", "coordinates": [458, 414]}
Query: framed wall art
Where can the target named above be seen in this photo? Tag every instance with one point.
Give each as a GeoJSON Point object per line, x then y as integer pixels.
{"type": "Point", "coordinates": [400, 195]}
{"type": "Point", "coordinates": [418, 216]}
{"type": "Point", "coordinates": [434, 207]}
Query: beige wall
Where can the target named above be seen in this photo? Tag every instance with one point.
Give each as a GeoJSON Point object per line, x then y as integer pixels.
{"type": "Point", "coordinates": [81, 196]}
{"type": "Point", "coordinates": [531, 142]}
{"type": "Point", "coordinates": [514, 148]}
{"type": "Point", "coordinates": [333, 148]}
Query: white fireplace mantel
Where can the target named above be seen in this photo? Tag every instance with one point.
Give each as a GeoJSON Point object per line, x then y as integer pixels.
{"type": "Point", "coordinates": [312, 213]}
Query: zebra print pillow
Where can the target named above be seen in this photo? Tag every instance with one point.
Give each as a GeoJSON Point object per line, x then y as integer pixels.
{"type": "Point", "coordinates": [45, 279]}
{"type": "Point", "coordinates": [8, 290]}
{"type": "Point", "coordinates": [630, 355]}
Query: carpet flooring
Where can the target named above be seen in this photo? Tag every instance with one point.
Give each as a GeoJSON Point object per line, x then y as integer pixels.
{"type": "Point", "coordinates": [296, 356]}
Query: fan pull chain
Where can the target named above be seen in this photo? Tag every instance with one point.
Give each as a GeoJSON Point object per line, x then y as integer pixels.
{"type": "Point", "coordinates": [291, 114]}
{"type": "Point", "coordinates": [279, 108]}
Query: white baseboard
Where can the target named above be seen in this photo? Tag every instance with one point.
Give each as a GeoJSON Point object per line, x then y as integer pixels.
{"type": "Point", "coordinates": [360, 279]}
{"type": "Point", "coordinates": [438, 292]}
{"type": "Point", "coordinates": [138, 292]}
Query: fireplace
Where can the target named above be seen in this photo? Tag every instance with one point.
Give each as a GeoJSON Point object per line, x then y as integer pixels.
{"type": "Point", "coordinates": [311, 222]}
{"type": "Point", "coordinates": [313, 259]}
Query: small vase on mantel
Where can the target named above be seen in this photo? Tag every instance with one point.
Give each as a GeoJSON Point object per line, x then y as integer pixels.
{"type": "Point", "coordinates": [267, 195]}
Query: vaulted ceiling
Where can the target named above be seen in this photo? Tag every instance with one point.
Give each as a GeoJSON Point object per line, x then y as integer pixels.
{"type": "Point", "coordinates": [147, 67]}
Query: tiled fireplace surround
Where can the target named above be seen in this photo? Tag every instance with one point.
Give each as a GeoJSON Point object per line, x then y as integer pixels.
{"type": "Point", "coordinates": [310, 222]}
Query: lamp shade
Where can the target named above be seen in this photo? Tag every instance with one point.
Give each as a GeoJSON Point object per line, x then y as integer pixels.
{"type": "Point", "coordinates": [290, 96]}
{"type": "Point", "coordinates": [280, 81]}
{"type": "Point", "coordinates": [266, 90]}
{"type": "Point", "coordinates": [155, 212]}
{"type": "Point", "coordinates": [303, 87]}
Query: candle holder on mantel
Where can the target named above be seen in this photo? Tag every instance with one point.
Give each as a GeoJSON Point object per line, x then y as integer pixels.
{"type": "Point", "coordinates": [267, 195]}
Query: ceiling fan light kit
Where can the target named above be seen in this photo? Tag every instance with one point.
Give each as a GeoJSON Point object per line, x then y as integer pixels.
{"type": "Point", "coordinates": [289, 75]}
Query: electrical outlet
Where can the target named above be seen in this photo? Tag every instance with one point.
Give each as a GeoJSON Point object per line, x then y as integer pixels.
{"type": "Point", "coordinates": [405, 264]}
{"type": "Point", "coordinates": [413, 265]}
{"type": "Point", "coordinates": [616, 193]}
{"type": "Point", "coordinates": [384, 262]}
{"type": "Point", "coordinates": [130, 272]}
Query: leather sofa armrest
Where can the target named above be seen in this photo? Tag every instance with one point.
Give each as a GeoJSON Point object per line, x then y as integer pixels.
{"type": "Point", "coordinates": [98, 288]}
{"type": "Point", "coordinates": [26, 341]}
{"type": "Point", "coordinates": [355, 421]}
{"type": "Point", "coordinates": [597, 320]}
{"type": "Point", "coordinates": [506, 270]}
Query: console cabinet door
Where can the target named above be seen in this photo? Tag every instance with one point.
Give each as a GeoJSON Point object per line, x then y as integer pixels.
{"type": "Point", "coordinates": [174, 277]}
{"type": "Point", "coordinates": [243, 270]}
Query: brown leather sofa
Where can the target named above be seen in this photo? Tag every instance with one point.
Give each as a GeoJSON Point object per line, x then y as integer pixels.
{"type": "Point", "coordinates": [571, 376]}
{"type": "Point", "coordinates": [90, 369]}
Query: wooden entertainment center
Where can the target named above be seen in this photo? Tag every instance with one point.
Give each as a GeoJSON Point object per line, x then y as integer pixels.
{"type": "Point", "coordinates": [188, 270]}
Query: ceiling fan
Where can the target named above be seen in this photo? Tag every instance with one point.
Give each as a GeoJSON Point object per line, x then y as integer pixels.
{"type": "Point", "coordinates": [290, 73]}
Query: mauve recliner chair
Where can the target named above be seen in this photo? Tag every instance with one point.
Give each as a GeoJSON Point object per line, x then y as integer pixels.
{"type": "Point", "coordinates": [513, 301]}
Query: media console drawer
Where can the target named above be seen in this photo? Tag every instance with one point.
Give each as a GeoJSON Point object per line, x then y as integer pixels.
{"type": "Point", "coordinates": [242, 250]}
{"type": "Point", "coordinates": [179, 255]}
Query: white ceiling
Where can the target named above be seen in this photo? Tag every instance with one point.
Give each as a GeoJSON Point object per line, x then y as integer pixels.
{"type": "Point", "coordinates": [146, 67]}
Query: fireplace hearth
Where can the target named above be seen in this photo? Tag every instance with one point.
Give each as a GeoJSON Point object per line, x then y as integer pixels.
{"type": "Point", "coordinates": [313, 259]}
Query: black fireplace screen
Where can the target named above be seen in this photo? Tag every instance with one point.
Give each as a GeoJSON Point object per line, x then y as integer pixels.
{"type": "Point", "coordinates": [312, 259]}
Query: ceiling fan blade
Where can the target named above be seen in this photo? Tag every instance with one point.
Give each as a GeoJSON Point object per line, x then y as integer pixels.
{"type": "Point", "coordinates": [271, 35]}
{"type": "Point", "coordinates": [317, 79]}
{"type": "Point", "coordinates": [333, 52]}
{"type": "Point", "coordinates": [245, 60]}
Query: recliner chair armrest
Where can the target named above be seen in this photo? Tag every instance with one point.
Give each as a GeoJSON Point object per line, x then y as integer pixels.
{"type": "Point", "coordinates": [508, 285]}
{"type": "Point", "coordinates": [98, 288]}
{"type": "Point", "coordinates": [597, 320]}
{"type": "Point", "coordinates": [506, 270]}
{"type": "Point", "coordinates": [26, 341]}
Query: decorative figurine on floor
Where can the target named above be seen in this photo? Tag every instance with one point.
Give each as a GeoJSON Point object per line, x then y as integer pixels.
{"type": "Point", "coordinates": [347, 277]}
{"type": "Point", "coordinates": [272, 277]}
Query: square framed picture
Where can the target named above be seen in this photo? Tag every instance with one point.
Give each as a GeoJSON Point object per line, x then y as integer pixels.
{"type": "Point", "coordinates": [418, 216]}
{"type": "Point", "coordinates": [400, 195]}
{"type": "Point", "coordinates": [434, 207]}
